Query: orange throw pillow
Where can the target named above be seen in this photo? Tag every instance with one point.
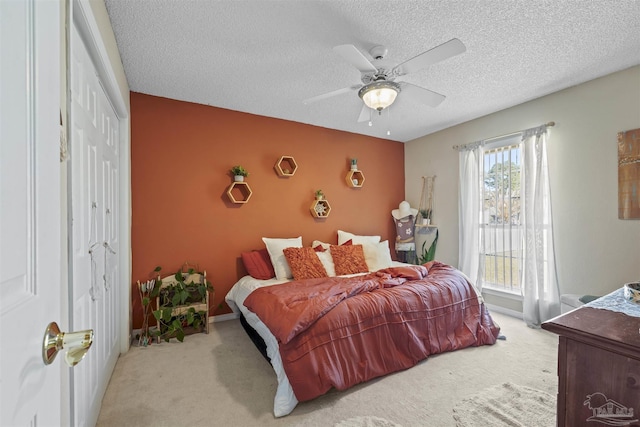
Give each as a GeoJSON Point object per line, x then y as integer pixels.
{"type": "Point", "coordinates": [304, 263]}
{"type": "Point", "coordinates": [348, 259]}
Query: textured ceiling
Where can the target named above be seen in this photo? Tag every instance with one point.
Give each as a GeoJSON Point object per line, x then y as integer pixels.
{"type": "Point", "coordinates": [266, 57]}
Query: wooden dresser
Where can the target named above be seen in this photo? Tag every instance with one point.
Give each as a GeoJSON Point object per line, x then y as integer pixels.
{"type": "Point", "coordinates": [598, 368]}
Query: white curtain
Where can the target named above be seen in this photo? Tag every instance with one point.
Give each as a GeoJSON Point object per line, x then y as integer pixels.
{"type": "Point", "coordinates": [539, 279]}
{"type": "Point", "coordinates": [469, 211]}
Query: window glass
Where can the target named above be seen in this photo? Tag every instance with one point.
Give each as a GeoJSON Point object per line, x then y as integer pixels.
{"type": "Point", "coordinates": [500, 225]}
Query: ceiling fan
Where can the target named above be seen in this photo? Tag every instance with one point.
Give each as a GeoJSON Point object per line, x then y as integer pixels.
{"type": "Point", "coordinates": [379, 88]}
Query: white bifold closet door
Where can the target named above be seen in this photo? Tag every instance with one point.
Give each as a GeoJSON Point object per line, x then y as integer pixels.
{"type": "Point", "coordinates": [94, 246]}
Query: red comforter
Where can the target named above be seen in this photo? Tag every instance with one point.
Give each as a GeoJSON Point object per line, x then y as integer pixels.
{"type": "Point", "coordinates": [338, 332]}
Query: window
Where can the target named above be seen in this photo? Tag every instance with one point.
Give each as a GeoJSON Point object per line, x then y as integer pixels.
{"type": "Point", "coordinates": [500, 225]}
{"type": "Point", "coordinates": [505, 224]}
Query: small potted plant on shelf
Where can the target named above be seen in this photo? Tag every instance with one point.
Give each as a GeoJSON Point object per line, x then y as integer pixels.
{"type": "Point", "coordinates": [319, 195]}
{"type": "Point", "coordinates": [239, 173]}
{"type": "Point", "coordinates": [426, 216]}
{"type": "Point", "coordinates": [354, 164]}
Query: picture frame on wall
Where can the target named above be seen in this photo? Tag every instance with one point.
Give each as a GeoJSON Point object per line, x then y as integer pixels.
{"type": "Point", "coordinates": [629, 174]}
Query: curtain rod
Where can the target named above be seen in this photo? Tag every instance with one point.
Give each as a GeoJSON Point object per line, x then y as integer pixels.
{"type": "Point", "coordinates": [463, 146]}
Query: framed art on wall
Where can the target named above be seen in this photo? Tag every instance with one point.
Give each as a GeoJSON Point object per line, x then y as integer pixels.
{"type": "Point", "coordinates": [629, 174]}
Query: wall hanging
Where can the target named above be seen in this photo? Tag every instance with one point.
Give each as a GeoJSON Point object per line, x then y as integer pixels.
{"type": "Point", "coordinates": [425, 209]}
{"type": "Point", "coordinates": [629, 174]}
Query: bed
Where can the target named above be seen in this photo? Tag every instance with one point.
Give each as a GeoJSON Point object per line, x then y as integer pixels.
{"type": "Point", "coordinates": [340, 330]}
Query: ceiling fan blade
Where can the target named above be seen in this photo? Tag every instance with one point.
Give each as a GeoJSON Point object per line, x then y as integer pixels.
{"type": "Point", "coordinates": [365, 114]}
{"type": "Point", "coordinates": [330, 94]}
{"type": "Point", "coordinates": [352, 55]}
{"type": "Point", "coordinates": [439, 53]}
{"type": "Point", "coordinates": [420, 94]}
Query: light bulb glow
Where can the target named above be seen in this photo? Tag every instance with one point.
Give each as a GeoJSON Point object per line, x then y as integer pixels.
{"type": "Point", "coordinates": [379, 99]}
{"type": "Point", "coordinates": [380, 94]}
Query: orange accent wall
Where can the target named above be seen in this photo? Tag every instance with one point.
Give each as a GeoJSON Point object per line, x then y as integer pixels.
{"type": "Point", "coordinates": [180, 157]}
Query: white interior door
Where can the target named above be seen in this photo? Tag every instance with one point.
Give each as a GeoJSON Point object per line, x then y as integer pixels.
{"type": "Point", "coordinates": [30, 292]}
{"type": "Point", "coordinates": [94, 229]}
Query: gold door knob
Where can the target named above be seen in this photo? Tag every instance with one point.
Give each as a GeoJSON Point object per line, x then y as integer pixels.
{"type": "Point", "coordinates": [76, 343]}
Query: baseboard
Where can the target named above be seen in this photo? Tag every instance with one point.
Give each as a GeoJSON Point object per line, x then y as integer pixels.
{"type": "Point", "coordinates": [223, 317]}
{"type": "Point", "coordinates": [212, 319]}
{"type": "Point", "coordinates": [502, 310]}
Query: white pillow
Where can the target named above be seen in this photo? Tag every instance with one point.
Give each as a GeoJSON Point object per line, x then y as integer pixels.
{"type": "Point", "coordinates": [275, 247]}
{"type": "Point", "coordinates": [382, 258]}
{"type": "Point", "coordinates": [376, 255]}
{"type": "Point", "coordinates": [327, 262]}
{"type": "Point", "coordinates": [325, 257]}
{"type": "Point", "coordinates": [369, 247]}
{"type": "Point", "coordinates": [343, 236]}
{"type": "Point", "coordinates": [325, 246]}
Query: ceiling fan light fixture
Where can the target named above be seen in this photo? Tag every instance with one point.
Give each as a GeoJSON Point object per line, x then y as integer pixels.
{"type": "Point", "coordinates": [380, 94]}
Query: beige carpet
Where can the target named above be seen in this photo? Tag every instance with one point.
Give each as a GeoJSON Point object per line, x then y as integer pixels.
{"type": "Point", "coordinates": [220, 379]}
{"type": "Point", "coordinates": [366, 422]}
{"type": "Point", "coordinates": [507, 405]}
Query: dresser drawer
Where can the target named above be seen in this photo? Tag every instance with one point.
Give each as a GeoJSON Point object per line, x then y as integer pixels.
{"type": "Point", "coordinates": [601, 386]}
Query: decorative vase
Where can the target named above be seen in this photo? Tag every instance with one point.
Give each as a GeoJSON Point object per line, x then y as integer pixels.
{"type": "Point", "coordinates": [355, 181]}
{"type": "Point", "coordinates": [238, 178]}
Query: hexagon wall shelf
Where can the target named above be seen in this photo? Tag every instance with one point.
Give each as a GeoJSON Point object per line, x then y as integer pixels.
{"type": "Point", "coordinates": [356, 175]}
{"type": "Point", "coordinates": [286, 166]}
{"type": "Point", "coordinates": [320, 208]}
{"type": "Point", "coordinates": [239, 192]}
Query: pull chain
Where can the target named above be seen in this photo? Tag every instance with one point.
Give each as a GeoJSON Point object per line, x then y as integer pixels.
{"type": "Point", "coordinates": [388, 121]}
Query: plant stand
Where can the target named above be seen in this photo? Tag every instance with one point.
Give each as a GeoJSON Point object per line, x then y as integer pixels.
{"type": "Point", "coordinates": [194, 304]}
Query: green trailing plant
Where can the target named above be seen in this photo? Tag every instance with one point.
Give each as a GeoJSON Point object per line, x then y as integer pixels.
{"type": "Point", "coordinates": [319, 194]}
{"type": "Point", "coordinates": [173, 312]}
{"type": "Point", "coordinates": [239, 171]}
{"type": "Point", "coordinates": [428, 254]}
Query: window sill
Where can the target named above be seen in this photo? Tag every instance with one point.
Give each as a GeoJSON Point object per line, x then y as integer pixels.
{"type": "Point", "coordinates": [502, 294]}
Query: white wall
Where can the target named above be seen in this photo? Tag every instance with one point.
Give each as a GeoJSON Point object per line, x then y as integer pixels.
{"type": "Point", "coordinates": [596, 252]}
